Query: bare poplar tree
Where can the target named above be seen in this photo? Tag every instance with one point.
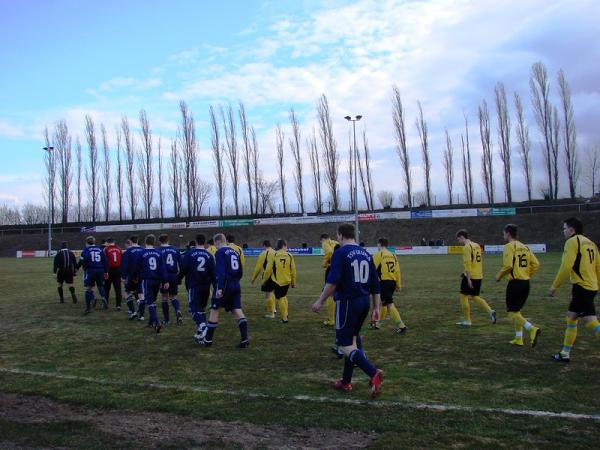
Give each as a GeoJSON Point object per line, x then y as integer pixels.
{"type": "Point", "coordinates": [540, 92]}
{"type": "Point", "coordinates": [255, 158]}
{"type": "Point", "coordinates": [466, 163]}
{"type": "Point", "coordinates": [145, 161]}
{"type": "Point", "coordinates": [295, 147]}
{"type": "Point", "coordinates": [330, 153]}
{"type": "Point", "coordinates": [524, 144]}
{"type": "Point", "coordinates": [315, 165]}
{"type": "Point", "coordinates": [280, 139]}
{"type": "Point", "coordinates": [362, 174]}
{"type": "Point", "coordinates": [204, 191]}
{"type": "Point", "coordinates": [232, 153]}
{"type": "Point", "coordinates": [161, 191]}
{"type": "Point", "coordinates": [189, 156]}
{"type": "Point", "coordinates": [504, 137]}
{"type": "Point", "coordinates": [218, 159]}
{"type": "Point", "coordinates": [449, 166]}
{"type": "Point", "coordinates": [247, 156]}
{"type": "Point", "coordinates": [62, 147]}
{"type": "Point", "coordinates": [368, 173]}
{"type": "Point", "coordinates": [401, 146]}
{"type": "Point", "coordinates": [92, 169]}
{"type": "Point", "coordinates": [556, 137]}
{"type": "Point", "coordinates": [79, 176]}
{"type": "Point", "coordinates": [422, 129]}
{"type": "Point", "coordinates": [176, 178]}
{"type": "Point", "coordinates": [487, 165]}
{"type": "Point", "coordinates": [569, 133]}
{"type": "Point", "coordinates": [593, 168]}
{"type": "Point", "coordinates": [106, 184]}
{"type": "Point", "coordinates": [50, 184]}
{"type": "Point", "coordinates": [129, 167]}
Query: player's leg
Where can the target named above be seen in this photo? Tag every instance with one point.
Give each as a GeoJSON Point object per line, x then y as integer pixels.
{"type": "Point", "coordinates": [569, 339]}
{"type": "Point", "coordinates": [330, 303]}
{"type": "Point", "coordinates": [281, 296]}
{"type": "Point", "coordinates": [243, 326]}
{"type": "Point", "coordinates": [481, 302]}
{"type": "Point", "coordinates": [465, 292]}
{"type": "Point", "coordinates": [69, 282]}
{"type": "Point", "coordinates": [116, 281]}
{"type": "Point", "coordinates": [150, 293]}
{"type": "Point", "coordinates": [213, 321]}
{"type": "Point", "coordinates": [589, 315]}
{"type": "Point", "coordinates": [88, 284]}
{"type": "Point", "coordinates": [401, 327]}
{"type": "Point", "coordinates": [173, 291]}
{"type": "Point", "coordinates": [592, 324]}
{"type": "Point", "coordinates": [164, 305]}
{"type": "Point", "coordinates": [99, 281]}
{"type": "Point", "coordinates": [60, 280]}
{"type": "Point", "coordinates": [270, 302]}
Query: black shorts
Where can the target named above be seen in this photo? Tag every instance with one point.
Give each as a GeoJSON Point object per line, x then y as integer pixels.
{"type": "Point", "coordinates": [199, 295]}
{"type": "Point", "coordinates": [173, 287]}
{"type": "Point", "coordinates": [64, 276]}
{"type": "Point", "coordinates": [388, 287]}
{"type": "Point", "coordinates": [582, 301]}
{"type": "Point", "coordinates": [132, 286]}
{"type": "Point", "coordinates": [466, 290]}
{"type": "Point", "coordinates": [281, 291]}
{"type": "Point", "coordinates": [517, 292]}
{"type": "Point", "coordinates": [268, 286]}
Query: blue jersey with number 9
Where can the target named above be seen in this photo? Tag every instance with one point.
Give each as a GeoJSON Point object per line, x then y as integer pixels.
{"type": "Point", "coordinates": [353, 273]}
{"type": "Point", "coordinates": [150, 266]}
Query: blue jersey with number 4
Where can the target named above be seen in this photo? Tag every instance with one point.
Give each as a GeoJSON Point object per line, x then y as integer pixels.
{"type": "Point", "coordinates": [150, 266]}
{"type": "Point", "coordinates": [93, 259]}
{"type": "Point", "coordinates": [170, 258]}
{"type": "Point", "coordinates": [228, 268]}
{"type": "Point", "coordinates": [353, 273]}
{"type": "Point", "coordinates": [198, 267]}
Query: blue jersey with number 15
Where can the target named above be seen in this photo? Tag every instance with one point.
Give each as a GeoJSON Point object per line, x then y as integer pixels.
{"type": "Point", "coordinates": [93, 258]}
{"type": "Point", "coordinates": [353, 273]}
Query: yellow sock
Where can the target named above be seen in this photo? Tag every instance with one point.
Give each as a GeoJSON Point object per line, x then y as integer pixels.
{"type": "Point", "coordinates": [271, 304]}
{"type": "Point", "coordinates": [283, 308]}
{"type": "Point", "coordinates": [330, 311]}
{"type": "Point", "coordinates": [466, 308]}
{"type": "Point", "coordinates": [518, 320]}
{"type": "Point", "coordinates": [570, 336]}
{"type": "Point", "coordinates": [384, 312]}
{"type": "Point", "coordinates": [481, 302]}
{"type": "Point", "coordinates": [395, 314]}
{"type": "Point", "coordinates": [594, 327]}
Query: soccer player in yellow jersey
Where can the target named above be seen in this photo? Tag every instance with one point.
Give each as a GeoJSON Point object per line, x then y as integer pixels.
{"type": "Point", "coordinates": [210, 246]}
{"type": "Point", "coordinates": [328, 246]}
{"type": "Point", "coordinates": [268, 287]}
{"type": "Point", "coordinates": [231, 243]}
{"type": "Point", "coordinates": [519, 263]}
{"type": "Point", "coordinates": [470, 284]}
{"type": "Point", "coordinates": [388, 270]}
{"type": "Point", "coordinates": [282, 270]}
{"type": "Point", "coordinates": [580, 264]}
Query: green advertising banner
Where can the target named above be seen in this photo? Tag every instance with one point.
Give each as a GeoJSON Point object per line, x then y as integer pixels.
{"type": "Point", "coordinates": [237, 223]}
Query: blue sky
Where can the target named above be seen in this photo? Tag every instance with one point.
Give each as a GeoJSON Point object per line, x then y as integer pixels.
{"type": "Point", "coordinates": [63, 59]}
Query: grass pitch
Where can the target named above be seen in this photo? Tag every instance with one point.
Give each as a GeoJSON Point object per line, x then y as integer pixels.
{"type": "Point", "coordinates": [283, 380]}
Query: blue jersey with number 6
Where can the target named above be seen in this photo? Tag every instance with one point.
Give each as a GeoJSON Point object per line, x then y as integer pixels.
{"type": "Point", "coordinates": [353, 273]}
{"type": "Point", "coordinates": [228, 268]}
{"type": "Point", "coordinates": [150, 266]}
{"type": "Point", "coordinates": [198, 267]}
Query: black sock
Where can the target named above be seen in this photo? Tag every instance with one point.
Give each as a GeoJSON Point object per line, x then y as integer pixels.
{"type": "Point", "coordinates": [212, 326]}
{"type": "Point", "coordinates": [60, 294]}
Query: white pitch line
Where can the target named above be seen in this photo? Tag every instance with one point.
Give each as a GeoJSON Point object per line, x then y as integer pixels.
{"type": "Point", "coordinates": [314, 399]}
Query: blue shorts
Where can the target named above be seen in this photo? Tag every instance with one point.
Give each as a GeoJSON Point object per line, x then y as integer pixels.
{"type": "Point", "coordinates": [93, 278]}
{"type": "Point", "coordinates": [150, 288]}
{"type": "Point", "coordinates": [231, 299]}
{"type": "Point", "coordinates": [172, 287]}
{"type": "Point", "coordinates": [198, 298]}
{"type": "Point", "coordinates": [349, 318]}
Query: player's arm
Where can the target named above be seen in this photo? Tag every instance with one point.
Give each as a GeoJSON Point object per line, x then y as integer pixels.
{"type": "Point", "coordinates": [269, 267]}
{"type": "Point", "coordinates": [333, 279]}
{"type": "Point", "coordinates": [258, 266]}
{"type": "Point", "coordinates": [183, 267]}
{"type": "Point", "coordinates": [377, 263]}
{"type": "Point", "coordinates": [220, 270]}
{"type": "Point", "coordinates": [242, 258]}
{"type": "Point", "coordinates": [507, 260]}
{"type": "Point", "coordinates": [327, 292]}
{"type": "Point", "coordinates": [375, 291]}
{"type": "Point", "coordinates": [124, 265]}
{"type": "Point", "coordinates": [398, 274]}
{"type": "Point", "coordinates": [55, 265]}
{"type": "Point", "coordinates": [534, 264]}
{"type": "Point", "coordinates": [568, 259]}
{"type": "Point", "coordinates": [467, 261]}
{"type": "Point", "coordinates": [597, 264]}
{"type": "Point", "coordinates": [326, 258]}
{"type": "Point", "coordinates": [293, 271]}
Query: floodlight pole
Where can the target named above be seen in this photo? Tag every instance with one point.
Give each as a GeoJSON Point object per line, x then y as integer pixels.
{"type": "Point", "coordinates": [355, 156]}
{"type": "Point", "coordinates": [50, 175]}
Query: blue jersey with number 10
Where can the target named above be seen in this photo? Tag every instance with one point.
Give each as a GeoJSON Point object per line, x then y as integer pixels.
{"type": "Point", "coordinates": [228, 268]}
{"type": "Point", "coordinates": [353, 273]}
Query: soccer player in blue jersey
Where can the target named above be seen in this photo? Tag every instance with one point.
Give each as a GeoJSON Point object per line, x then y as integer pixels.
{"type": "Point", "coordinates": [198, 268]}
{"type": "Point", "coordinates": [352, 280]}
{"type": "Point", "coordinates": [151, 272]}
{"type": "Point", "coordinates": [128, 262]}
{"type": "Point", "coordinates": [171, 261]}
{"type": "Point", "coordinates": [227, 295]}
{"type": "Point", "coordinates": [95, 271]}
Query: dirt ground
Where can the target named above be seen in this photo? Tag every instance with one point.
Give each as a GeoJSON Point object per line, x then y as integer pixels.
{"type": "Point", "coordinates": [158, 429]}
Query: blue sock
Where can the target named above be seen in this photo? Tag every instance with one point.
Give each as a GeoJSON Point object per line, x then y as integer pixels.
{"type": "Point", "coordinates": [212, 326]}
{"type": "Point", "coordinates": [348, 369]}
{"type": "Point", "coordinates": [89, 298]}
{"type": "Point", "coordinates": [243, 324]}
{"type": "Point", "coordinates": [141, 307]}
{"type": "Point", "coordinates": [165, 309]}
{"type": "Point", "coordinates": [176, 306]}
{"type": "Point", "coordinates": [130, 304]}
{"type": "Point", "coordinates": [359, 343]}
{"type": "Point", "coordinates": [102, 291]}
{"type": "Point", "coordinates": [153, 315]}
{"type": "Point", "coordinates": [359, 358]}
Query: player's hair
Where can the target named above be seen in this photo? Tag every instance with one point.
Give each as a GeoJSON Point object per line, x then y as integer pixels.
{"type": "Point", "coordinates": [230, 238]}
{"type": "Point", "coordinates": [150, 239]}
{"type": "Point", "coordinates": [512, 230]}
{"type": "Point", "coordinates": [220, 237]}
{"type": "Point", "coordinates": [575, 223]}
{"type": "Point", "coordinates": [462, 233]}
{"type": "Point", "coordinates": [192, 243]}
{"type": "Point", "coordinates": [200, 239]}
{"type": "Point", "coordinates": [280, 243]}
{"type": "Point", "coordinates": [347, 231]}
{"type": "Point", "coordinates": [134, 239]}
{"type": "Point", "coordinates": [110, 240]}
{"type": "Point", "coordinates": [383, 242]}
{"type": "Point", "coordinates": [128, 242]}
{"type": "Point", "coordinates": [90, 240]}
{"type": "Point", "coordinates": [324, 236]}
{"type": "Point", "coordinates": [64, 244]}
{"type": "Point", "coordinates": [103, 241]}
{"type": "Point", "coordinates": [336, 247]}
{"type": "Point", "coordinates": [211, 241]}
{"type": "Point", "coordinates": [163, 238]}
{"type": "Point", "coordinates": [267, 243]}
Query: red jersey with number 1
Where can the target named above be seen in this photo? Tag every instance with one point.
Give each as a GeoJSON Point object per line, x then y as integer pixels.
{"type": "Point", "coordinates": [113, 256]}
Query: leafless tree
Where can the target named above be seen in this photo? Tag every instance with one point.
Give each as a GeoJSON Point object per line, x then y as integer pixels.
{"type": "Point", "coordinates": [401, 146]}
{"type": "Point", "coordinates": [593, 168]}
{"type": "Point", "coordinates": [266, 192]}
{"type": "Point", "coordinates": [330, 153]}
{"type": "Point", "coordinates": [232, 154]}
{"type": "Point", "coordinates": [364, 166]}
{"type": "Point", "coordinates": [92, 168]}
{"type": "Point", "coordinates": [298, 169]}
{"type": "Point", "coordinates": [50, 182]}
{"type": "Point", "coordinates": [504, 137]}
{"type": "Point", "coordinates": [280, 139]}
{"type": "Point", "coordinates": [119, 174]}
{"type": "Point", "coordinates": [218, 151]}
{"type": "Point", "coordinates": [315, 165]}
{"type": "Point", "coordinates": [10, 215]}
{"type": "Point", "coordinates": [449, 166]}
{"type": "Point", "coordinates": [145, 162]}
{"type": "Point", "coordinates": [204, 191]}
{"type": "Point", "coordinates": [247, 156]}
{"type": "Point", "coordinates": [33, 214]}
{"type": "Point", "coordinates": [422, 129]}
{"type": "Point", "coordinates": [556, 137]}
{"type": "Point", "coordinates": [569, 133]}
{"type": "Point", "coordinates": [466, 163]}
{"type": "Point", "coordinates": [176, 178]}
{"type": "Point", "coordinates": [129, 167]}
{"type": "Point", "coordinates": [105, 185]}
{"type": "Point", "coordinates": [540, 92]}
{"type": "Point", "coordinates": [189, 164]}
{"type": "Point", "coordinates": [79, 176]}
{"type": "Point", "coordinates": [386, 198]}
{"type": "Point", "coordinates": [487, 165]}
{"type": "Point", "coordinates": [524, 144]}
{"type": "Point", "coordinates": [255, 158]}
{"type": "Point", "coordinates": [161, 191]}
{"type": "Point", "coordinates": [62, 147]}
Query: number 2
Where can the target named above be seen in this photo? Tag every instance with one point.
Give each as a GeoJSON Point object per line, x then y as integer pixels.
{"type": "Point", "coordinates": [201, 263]}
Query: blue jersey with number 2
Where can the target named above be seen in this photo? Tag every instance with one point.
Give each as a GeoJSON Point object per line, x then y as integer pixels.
{"type": "Point", "coordinates": [353, 273]}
